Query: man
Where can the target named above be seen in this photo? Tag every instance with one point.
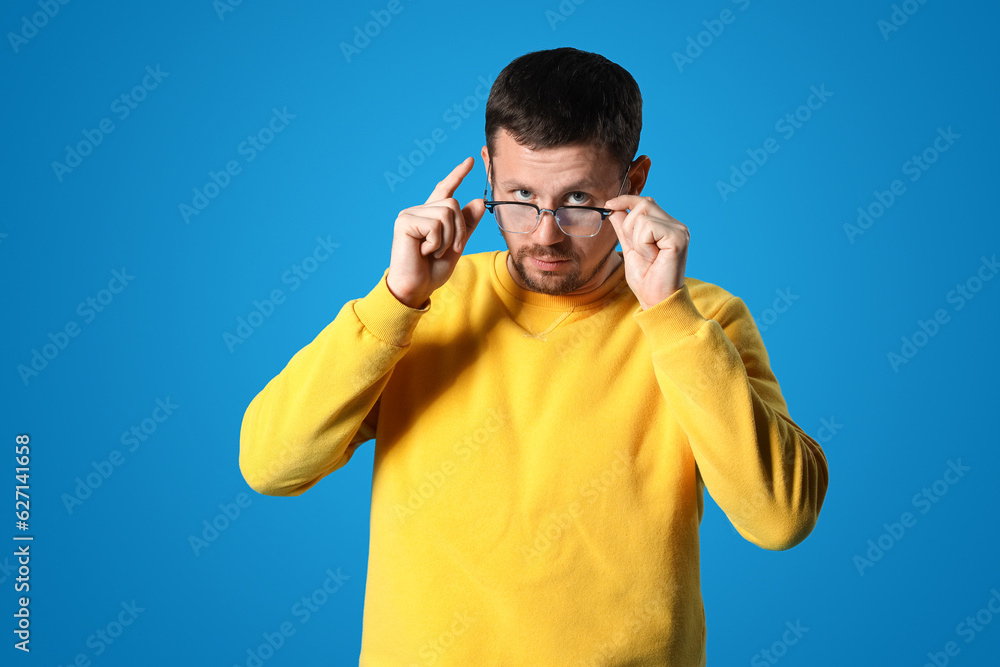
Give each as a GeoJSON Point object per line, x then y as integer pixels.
{"type": "Point", "coordinates": [546, 418]}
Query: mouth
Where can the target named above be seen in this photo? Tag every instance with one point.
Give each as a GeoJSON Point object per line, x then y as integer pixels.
{"type": "Point", "coordinates": [548, 264]}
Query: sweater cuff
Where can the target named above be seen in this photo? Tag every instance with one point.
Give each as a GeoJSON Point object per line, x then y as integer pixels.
{"type": "Point", "coordinates": [386, 317]}
{"type": "Point", "coordinates": [671, 319]}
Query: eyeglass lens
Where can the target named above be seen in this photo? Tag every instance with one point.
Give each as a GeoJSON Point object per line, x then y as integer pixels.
{"type": "Point", "coordinates": [521, 218]}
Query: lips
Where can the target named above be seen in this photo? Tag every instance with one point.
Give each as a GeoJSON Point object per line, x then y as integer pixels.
{"type": "Point", "coordinates": [547, 265]}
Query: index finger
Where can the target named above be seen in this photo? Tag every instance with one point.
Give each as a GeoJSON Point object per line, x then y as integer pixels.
{"type": "Point", "coordinates": [447, 186]}
{"type": "Point", "coordinates": [622, 202]}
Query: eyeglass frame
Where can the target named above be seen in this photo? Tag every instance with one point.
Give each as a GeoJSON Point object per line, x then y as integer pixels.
{"type": "Point", "coordinates": [605, 212]}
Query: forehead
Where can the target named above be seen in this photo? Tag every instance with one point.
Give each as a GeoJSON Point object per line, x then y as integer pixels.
{"type": "Point", "coordinates": [572, 166]}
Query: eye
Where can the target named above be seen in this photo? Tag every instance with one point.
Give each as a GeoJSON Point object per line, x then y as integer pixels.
{"type": "Point", "coordinates": [574, 198]}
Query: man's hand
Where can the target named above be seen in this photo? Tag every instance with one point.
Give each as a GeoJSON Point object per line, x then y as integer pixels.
{"type": "Point", "coordinates": [428, 240]}
{"type": "Point", "coordinates": [654, 247]}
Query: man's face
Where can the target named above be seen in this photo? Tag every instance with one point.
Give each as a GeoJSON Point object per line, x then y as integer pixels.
{"type": "Point", "coordinates": [572, 175]}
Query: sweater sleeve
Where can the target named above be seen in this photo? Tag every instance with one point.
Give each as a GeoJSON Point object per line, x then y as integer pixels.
{"type": "Point", "coordinates": [310, 418]}
{"type": "Point", "coordinates": [763, 471]}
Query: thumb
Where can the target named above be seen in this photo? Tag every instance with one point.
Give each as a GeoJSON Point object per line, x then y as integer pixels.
{"type": "Point", "coordinates": [617, 218]}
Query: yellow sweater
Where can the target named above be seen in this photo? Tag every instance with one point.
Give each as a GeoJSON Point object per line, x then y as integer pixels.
{"type": "Point", "coordinates": [539, 463]}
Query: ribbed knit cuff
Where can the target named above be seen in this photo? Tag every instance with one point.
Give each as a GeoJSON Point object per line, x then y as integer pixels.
{"type": "Point", "coordinates": [672, 319]}
{"type": "Point", "coordinates": [386, 317]}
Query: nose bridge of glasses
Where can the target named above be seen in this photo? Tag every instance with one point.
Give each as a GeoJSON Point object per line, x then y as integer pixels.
{"type": "Point", "coordinates": [541, 213]}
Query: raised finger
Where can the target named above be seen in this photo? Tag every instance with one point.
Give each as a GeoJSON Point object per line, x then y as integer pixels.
{"type": "Point", "coordinates": [447, 186]}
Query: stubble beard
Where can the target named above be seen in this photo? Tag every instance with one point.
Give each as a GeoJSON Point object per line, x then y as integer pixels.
{"type": "Point", "coordinates": [553, 283]}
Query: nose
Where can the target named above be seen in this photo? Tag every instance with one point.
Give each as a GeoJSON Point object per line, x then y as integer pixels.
{"type": "Point", "coordinates": [547, 231]}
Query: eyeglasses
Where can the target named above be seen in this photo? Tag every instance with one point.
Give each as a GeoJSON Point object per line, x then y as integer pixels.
{"type": "Point", "coordinates": [518, 217]}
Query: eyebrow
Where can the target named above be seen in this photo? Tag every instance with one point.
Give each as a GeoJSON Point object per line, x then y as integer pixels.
{"type": "Point", "coordinates": [583, 185]}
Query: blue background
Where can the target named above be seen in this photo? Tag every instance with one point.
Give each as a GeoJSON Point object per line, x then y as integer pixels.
{"type": "Point", "coordinates": [161, 337]}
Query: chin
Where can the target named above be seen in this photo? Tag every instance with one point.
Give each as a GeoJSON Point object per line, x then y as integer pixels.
{"type": "Point", "coordinates": [550, 283]}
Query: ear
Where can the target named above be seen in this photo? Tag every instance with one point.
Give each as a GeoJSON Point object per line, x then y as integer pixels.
{"type": "Point", "coordinates": [637, 177]}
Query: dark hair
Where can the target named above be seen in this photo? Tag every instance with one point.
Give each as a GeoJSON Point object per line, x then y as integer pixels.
{"type": "Point", "coordinates": [563, 96]}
